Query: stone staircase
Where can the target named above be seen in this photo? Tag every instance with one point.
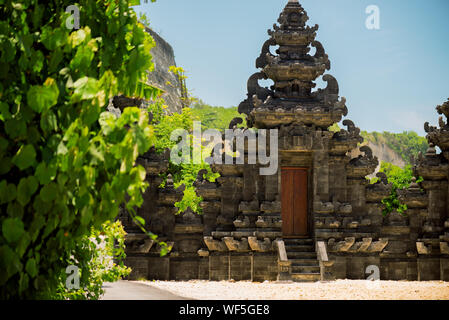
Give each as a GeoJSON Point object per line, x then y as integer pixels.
{"type": "Point", "coordinates": [304, 263]}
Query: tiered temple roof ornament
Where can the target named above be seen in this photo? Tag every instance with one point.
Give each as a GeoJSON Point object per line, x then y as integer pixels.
{"type": "Point", "coordinates": [293, 71]}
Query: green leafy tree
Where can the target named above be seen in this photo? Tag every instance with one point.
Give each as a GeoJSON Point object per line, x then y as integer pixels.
{"type": "Point", "coordinates": [66, 164]}
{"type": "Point", "coordinates": [215, 117]}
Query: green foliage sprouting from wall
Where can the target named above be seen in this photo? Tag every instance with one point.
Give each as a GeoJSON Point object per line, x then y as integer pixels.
{"type": "Point", "coordinates": [399, 179]}
{"type": "Point", "coordinates": [164, 123]}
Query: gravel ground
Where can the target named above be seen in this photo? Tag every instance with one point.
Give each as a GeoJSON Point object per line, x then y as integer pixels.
{"type": "Point", "coordinates": [334, 290]}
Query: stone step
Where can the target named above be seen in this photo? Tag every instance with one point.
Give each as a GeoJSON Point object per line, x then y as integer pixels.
{"type": "Point", "coordinates": [302, 248]}
{"type": "Point", "coordinates": [305, 269]}
{"type": "Point", "coordinates": [306, 277]}
{"type": "Point", "coordinates": [304, 262]}
{"type": "Point", "coordinates": [301, 255]}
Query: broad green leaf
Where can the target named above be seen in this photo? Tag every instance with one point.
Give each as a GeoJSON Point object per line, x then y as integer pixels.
{"type": "Point", "coordinates": [53, 38]}
{"type": "Point", "coordinates": [49, 192]}
{"type": "Point", "coordinates": [31, 267]}
{"type": "Point", "coordinates": [25, 157]}
{"type": "Point", "coordinates": [8, 192]}
{"type": "Point", "coordinates": [27, 187]}
{"type": "Point", "coordinates": [4, 111]}
{"type": "Point", "coordinates": [48, 121]}
{"type": "Point", "coordinates": [23, 244]}
{"type": "Point", "coordinates": [36, 225]}
{"type": "Point", "coordinates": [9, 262]}
{"type": "Point", "coordinates": [15, 210]}
{"type": "Point", "coordinates": [45, 173]}
{"type": "Point", "coordinates": [12, 229]}
{"type": "Point", "coordinates": [85, 89]}
{"type": "Point", "coordinates": [108, 83]}
{"type": "Point", "coordinates": [38, 60]}
{"type": "Point", "coordinates": [41, 98]}
{"type": "Point", "coordinates": [84, 55]}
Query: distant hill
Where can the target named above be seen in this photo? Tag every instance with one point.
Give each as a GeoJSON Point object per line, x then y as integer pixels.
{"type": "Point", "coordinates": [215, 117]}
{"type": "Point", "coordinates": [406, 145]}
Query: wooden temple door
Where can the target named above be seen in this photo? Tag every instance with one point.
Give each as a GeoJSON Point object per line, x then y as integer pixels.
{"type": "Point", "coordinates": [294, 202]}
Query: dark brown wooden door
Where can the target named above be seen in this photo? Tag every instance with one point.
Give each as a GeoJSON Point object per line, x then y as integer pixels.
{"type": "Point", "coordinates": [294, 201]}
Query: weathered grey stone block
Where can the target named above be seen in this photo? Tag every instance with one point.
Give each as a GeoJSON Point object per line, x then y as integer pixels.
{"type": "Point", "coordinates": [218, 267]}
{"type": "Point", "coordinates": [240, 267]}
{"type": "Point", "coordinates": [139, 267]}
{"type": "Point", "coordinates": [159, 268]}
{"type": "Point", "coordinates": [265, 267]}
{"type": "Point", "coordinates": [428, 269]}
{"type": "Point", "coordinates": [184, 268]}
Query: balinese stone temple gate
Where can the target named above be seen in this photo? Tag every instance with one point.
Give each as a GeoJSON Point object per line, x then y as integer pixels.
{"type": "Point", "coordinates": [317, 217]}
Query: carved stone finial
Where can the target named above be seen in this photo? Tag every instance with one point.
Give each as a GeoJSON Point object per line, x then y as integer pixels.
{"type": "Point", "coordinates": [414, 185]}
{"type": "Point", "coordinates": [189, 217]}
{"type": "Point", "coordinates": [431, 151]}
{"type": "Point", "coordinates": [234, 122]}
{"type": "Point", "coordinates": [256, 101]}
{"type": "Point", "coordinates": [367, 150]}
{"type": "Point", "coordinates": [444, 109]}
{"type": "Point", "coordinates": [169, 183]}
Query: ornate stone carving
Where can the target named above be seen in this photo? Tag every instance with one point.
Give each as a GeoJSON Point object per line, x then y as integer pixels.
{"type": "Point", "coordinates": [242, 222]}
{"type": "Point", "coordinates": [260, 246]}
{"type": "Point", "coordinates": [236, 245]}
{"type": "Point", "coordinates": [320, 207]}
{"type": "Point", "coordinates": [367, 245]}
{"type": "Point", "coordinates": [262, 60]}
{"type": "Point", "coordinates": [440, 136]}
{"type": "Point", "coordinates": [138, 243]}
{"type": "Point", "coordinates": [363, 165]}
{"type": "Point", "coordinates": [423, 249]}
{"type": "Point", "coordinates": [215, 245]}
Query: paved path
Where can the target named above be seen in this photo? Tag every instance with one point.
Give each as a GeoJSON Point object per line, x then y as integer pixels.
{"type": "Point", "coordinates": [130, 290]}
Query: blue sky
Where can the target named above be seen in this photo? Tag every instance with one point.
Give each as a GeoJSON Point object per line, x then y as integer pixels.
{"type": "Point", "coordinates": [392, 78]}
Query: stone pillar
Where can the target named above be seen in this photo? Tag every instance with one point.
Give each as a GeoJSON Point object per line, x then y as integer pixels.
{"type": "Point", "coordinates": [356, 195]}
{"type": "Point", "coordinates": [337, 178]}
{"type": "Point", "coordinates": [321, 175]}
